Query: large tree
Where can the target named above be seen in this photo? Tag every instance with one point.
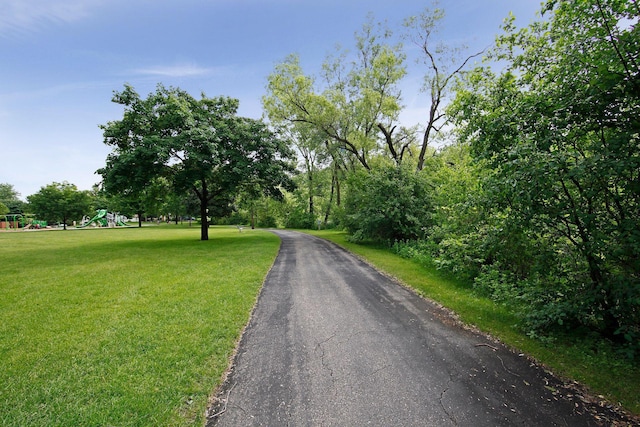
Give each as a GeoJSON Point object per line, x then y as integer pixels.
{"type": "Point", "coordinates": [200, 145]}
{"type": "Point", "coordinates": [10, 198]}
{"type": "Point", "coordinates": [559, 128]}
{"type": "Point", "coordinates": [353, 106]}
{"type": "Point", "coordinates": [443, 63]}
{"type": "Point", "coordinates": [60, 202]}
{"type": "Point", "coordinates": [8, 194]}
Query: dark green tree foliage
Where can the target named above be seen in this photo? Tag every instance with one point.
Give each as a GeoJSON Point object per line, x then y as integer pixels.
{"type": "Point", "coordinates": [11, 198]}
{"type": "Point", "coordinates": [133, 163]}
{"type": "Point", "coordinates": [60, 202]}
{"type": "Point", "coordinates": [198, 145]}
{"type": "Point", "coordinates": [387, 204]}
{"type": "Point", "coordinates": [560, 131]}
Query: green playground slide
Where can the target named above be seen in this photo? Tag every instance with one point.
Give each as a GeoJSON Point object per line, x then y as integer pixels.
{"type": "Point", "coordinates": [99, 219]}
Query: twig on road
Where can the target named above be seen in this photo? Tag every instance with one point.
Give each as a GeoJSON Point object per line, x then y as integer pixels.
{"type": "Point", "coordinates": [487, 345]}
{"type": "Point", "coordinates": [505, 368]}
{"type": "Point", "coordinates": [226, 402]}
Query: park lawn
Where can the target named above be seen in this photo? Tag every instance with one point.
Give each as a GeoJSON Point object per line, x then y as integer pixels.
{"type": "Point", "coordinates": [594, 365]}
{"type": "Point", "coordinates": [122, 327]}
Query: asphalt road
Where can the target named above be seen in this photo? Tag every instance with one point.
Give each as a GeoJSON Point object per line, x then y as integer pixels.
{"type": "Point", "coordinates": [332, 342]}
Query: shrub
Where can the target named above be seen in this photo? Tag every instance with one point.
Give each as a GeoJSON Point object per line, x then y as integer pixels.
{"type": "Point", "coordinates": [299, 218]}
{"type": "Point", "coordinates": [418, 250]}
{"type": "Point", "coordinates": [387, 204]}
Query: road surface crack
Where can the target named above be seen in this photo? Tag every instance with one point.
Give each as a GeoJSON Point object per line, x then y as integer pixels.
{"type": "Point", "coordinates": [379, 369]}
{"type": "Point", "coordinates": [451, 416]}
{"type": "Point", "coordinates": [320, 347]}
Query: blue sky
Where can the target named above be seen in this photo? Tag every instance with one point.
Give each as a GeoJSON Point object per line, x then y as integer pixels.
{"type": "Point", "coordinates": [61, 60]}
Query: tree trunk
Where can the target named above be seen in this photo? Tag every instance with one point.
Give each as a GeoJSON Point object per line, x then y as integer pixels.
{"type": "Point", "coordinates": [328, 211]}
{"type": "Point", "coordinates": [310, 183]}
{"type": "Point", "coordinates": [253, 215]}
{"type": "Point", "coordinates": [603, 292]}
{"type": "Point", "coordinates": [338, 197]}
{"type": "Point", "coordinates": [427, 133]}
{"type": "Point", "coordinates": [204, 221]}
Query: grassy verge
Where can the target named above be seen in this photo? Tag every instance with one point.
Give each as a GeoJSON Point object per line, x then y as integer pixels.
{"type": "Point", "coordinates": [126, 327]}
{"type": "Point", "coordinates": [595, 366]}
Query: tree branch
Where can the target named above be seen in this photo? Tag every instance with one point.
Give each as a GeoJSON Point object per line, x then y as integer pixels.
{"type": "Point", "coordinates": [389, 140]}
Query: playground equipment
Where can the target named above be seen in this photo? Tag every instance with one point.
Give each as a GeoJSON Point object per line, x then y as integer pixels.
{"type": "Point", "coordinates": [104, 219]}
{"type": "Point", "coordinates": [14, 221]}
{"type": "Point", "coordinates": [20, 222]}
{"type": "Point", "coordinates": [35, 224]}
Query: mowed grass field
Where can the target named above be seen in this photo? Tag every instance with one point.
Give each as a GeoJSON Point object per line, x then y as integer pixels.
{"type": "Point", "coordinates": [122, 327]}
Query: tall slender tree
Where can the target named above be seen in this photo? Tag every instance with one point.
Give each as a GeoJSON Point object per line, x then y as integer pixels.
{"type": "Point", "coordinates": [443, 64]}
{"type": "Point", "coordinates": [355, 105]}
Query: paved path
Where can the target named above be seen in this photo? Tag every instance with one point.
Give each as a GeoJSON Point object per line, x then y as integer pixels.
{"type": "Point", "coordinates": [334, 343]}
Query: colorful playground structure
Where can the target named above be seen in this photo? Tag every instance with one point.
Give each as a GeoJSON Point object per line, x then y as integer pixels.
{"type": "Point", "coordinates": [101, 219]}
{"type": "Point", "coordinates": [14, 221]}
{"type": "Point", "coordinates": [20, 222]}
{"type": "Point", "coordinates": [104, 219]}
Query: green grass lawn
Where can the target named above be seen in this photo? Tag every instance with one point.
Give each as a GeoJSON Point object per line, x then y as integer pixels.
{"type": "Point", "coordinates": [122, 327]}
{"type": "Point", "coordinates": [134, 327]}
{"type": "Point", "coordinates": [596, 366]}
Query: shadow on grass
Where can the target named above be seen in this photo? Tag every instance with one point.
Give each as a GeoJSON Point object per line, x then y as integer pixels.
{"type": "Point", "coordinates": [81, 247]}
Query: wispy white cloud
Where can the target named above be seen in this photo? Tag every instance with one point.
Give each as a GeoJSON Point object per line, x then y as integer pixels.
{"type": "Point", "coordinates": [51, 92]}
{"type": "Point", "coordinates": [178, 70]}
{"type": "Point", "coordinates": [19, 17]}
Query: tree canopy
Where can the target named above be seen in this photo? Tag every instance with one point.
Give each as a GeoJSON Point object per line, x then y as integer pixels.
{"type": "Point", "coordinates": [559, 130]}
{"type": "Point", "coordinates": [60, 202]}
{"type": "Point", "coordinates": [199, 145]}
{"type": "Point", "coordinates": [354, 110]}
{"type": "Point", "coordinates": [10, 198]}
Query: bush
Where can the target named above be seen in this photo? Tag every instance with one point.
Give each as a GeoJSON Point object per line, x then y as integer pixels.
{"type": "Point", "coordinates": [298, 218]}
{"type": "Point", "coordinates": [418, 250]}
{"type": "Point", "coordinates": [268, 221]}
{"type": "Point", "coordinates": [387, 204]}
{"type": "Point", "coordinates": [236, 218]}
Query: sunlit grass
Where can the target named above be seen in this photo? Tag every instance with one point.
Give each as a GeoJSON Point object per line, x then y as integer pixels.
{"type": "Point", "coordinates": [134, 327]}
{"type": "Point", "coordinates": [127, 327]}
{"type": "Point", "coordinates": [599, 368]}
